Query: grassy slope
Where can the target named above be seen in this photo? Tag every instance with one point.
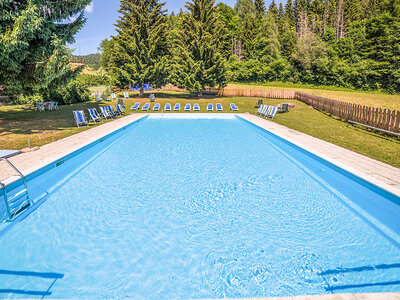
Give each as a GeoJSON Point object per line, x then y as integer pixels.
{"type": "Point", "coordinates": [17, 123]}
{"type": "Point", "coordinates": [374, 99]}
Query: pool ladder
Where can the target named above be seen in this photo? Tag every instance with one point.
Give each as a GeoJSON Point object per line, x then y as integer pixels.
{"type": "Point", "coordinates": [18, 202]}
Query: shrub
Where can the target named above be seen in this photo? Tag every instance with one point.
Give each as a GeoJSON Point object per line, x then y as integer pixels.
{"type": "Point", "coordinates": [74, 92]}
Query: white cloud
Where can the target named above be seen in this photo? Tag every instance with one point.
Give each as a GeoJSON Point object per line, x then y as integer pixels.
{"type": "Point", "coordinates": [89, 8]}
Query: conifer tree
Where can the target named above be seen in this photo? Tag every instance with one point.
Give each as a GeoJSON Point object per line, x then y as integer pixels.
{"type": "Point", "coordinates": [260, 8]}
{"type": "Point", "coordinates": [199, 61]}
{"type": "Point", "coordinates": [140, 49]}
{"type": "Point", "coordinates": [33, 43]}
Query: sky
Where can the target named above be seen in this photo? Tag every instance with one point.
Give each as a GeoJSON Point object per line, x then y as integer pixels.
{"type": "Point", "coordinates": [102, 15]}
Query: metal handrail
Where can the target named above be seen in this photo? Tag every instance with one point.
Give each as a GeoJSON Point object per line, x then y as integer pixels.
{"type": "Point", "coordinates": [15, 169]}
{"type": "Point", "coordinates": [3, 186]}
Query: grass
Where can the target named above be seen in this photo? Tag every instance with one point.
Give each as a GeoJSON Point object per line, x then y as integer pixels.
{"type": "Point", "coordinates": [18, 123]}
{"type": "Point", "coordinates": [375, 99]}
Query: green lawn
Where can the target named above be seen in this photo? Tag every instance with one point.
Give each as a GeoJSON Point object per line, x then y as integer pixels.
{"type": "Point", "coordinates": [374, 99]}
{"type": "Point", "coordinates": [18, 123]}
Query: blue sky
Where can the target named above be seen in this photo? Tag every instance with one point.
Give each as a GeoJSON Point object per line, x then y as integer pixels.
{"type": "Point", "coordinates": [101, 17]}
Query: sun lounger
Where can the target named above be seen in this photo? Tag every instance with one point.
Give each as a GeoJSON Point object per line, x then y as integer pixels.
{"type": "Point", "coordinates": [111, 111]}
{"type": "Point", "coordinates": [97, 97]}
{"type": "Point", "coordinates": [167, 107]}
{"type": "Point", "coordinates": [105, 113]}
{"type": "Point", "coordinates": [152, 98]}
{"type": "Point", "coordinates": [105, 98]}
{"type": "Point", "coordinates": [234, 107]}
{"type": "Point", "coordinates": [157, 107]}
{"type": "Point", "coordinates": [126, 95]}
{"type": "Point", "coordinates": [272, 112]}
{"type": "Point", "coordinates": [177, 107]}
{"type": "Point", "coordinates": [136, 106]}
{"type": "Point", "coordinates": [94, 116]}
{"type": "Point", "coordinates": [80, 118]}
{"type": "Point", "coordinates": [120, 109]}
{"type": "Point", "coordinates": [196, 107]}
{"type": "Point", "coordinates": [146, 106]}
{"type": "Point", "coordinates": [260, 109]}
{"type": "Point", "coordinates": [265, 110]}
{"type": "Point", "coordinates": [210, 107]}
{"type": "Point", "coordinates": [219, 107]}
{"type": "Point", "coordinates": [188, 107]}
{"type": "Point", "coordinates": [113, 96]}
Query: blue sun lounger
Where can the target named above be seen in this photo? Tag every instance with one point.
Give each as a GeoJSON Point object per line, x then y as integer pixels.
{"type": "Point", "coordinates": [105, 113]}
{"type": "Point", "coordinates": [146, 106]}
{"type": "Point", "coordinates": [234, 107]}
{"type": "Point", "coordinates": [94, 116]}
{"type": "Point", "coordinates": [80, 118]}
{"type": "Point", "coordinates": [177, 107]}
{"type": "Point", "coordinates": [260, 109]}
{"type": "Point", "coordinates": [188, 107]}
{"type": "Point", "coordinates": [167, 107]}
{"type": "Point", "coordinates": [111, 111]}
{"type": "Point", "coordinates": [265, 110]}
{"type": "Point", "coordinates": [120, 109]}
{"type": "Point", "coordinates": [113, 96]}
{"type": "Point", "coordinates": [136, 106]}
{"type": "Point", "coordinates": [210, 107]}
{"type": "Point", "coordinates": [126, 95]}
{"type": "Point", "coordinates": [157, 107]}
{"type": "Point", "coordinates": [196, 107]}
{"type": "Point", "coordinates": [272, 112]}
{"type": "Point", "coordinates": [219, 107]}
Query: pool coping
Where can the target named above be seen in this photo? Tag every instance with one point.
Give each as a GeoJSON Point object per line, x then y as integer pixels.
{"type": "Point", "coordinates": [31, 162]}
{"type": "Point", "coordinates": [378, 173]}
{"type": "Point", "coordinates": [369, 296]}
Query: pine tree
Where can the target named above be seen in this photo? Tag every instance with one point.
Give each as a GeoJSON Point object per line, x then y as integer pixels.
{"type": "Point", "coordinates": [260, 8]}
{"type": "Point", "coordinates": [140, 50]}
{"type": "Point", "coordinates": [33, 43]}
{"type": "Point", "coordinates": [273, 11]}
{"type": "Point", "coordinates": [199, 60]}
{"type": "Point", "coordinates": [248, 25]}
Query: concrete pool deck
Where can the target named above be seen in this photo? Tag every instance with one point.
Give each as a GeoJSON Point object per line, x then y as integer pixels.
{"type": "Point", "coordinates": [372, 296]}
{"type": "Point", "coordinates": [32, 161]}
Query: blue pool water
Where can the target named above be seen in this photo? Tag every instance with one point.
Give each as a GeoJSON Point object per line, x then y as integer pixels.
{"type": "Point", "coordinates": [204, 208]}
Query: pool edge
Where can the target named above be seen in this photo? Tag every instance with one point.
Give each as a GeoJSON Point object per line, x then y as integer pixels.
{"type": "Point", "coordinates": [344, 167]}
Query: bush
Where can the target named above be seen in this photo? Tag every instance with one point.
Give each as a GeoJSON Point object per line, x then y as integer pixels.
{"type": "Point", "coordinates": [74, 92]}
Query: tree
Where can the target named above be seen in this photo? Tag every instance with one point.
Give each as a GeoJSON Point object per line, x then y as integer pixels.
{"type": "Point", "coordinates": [248, 25]}
{"type": "Point", "coordinates": [140, 49]}
{"type": "Point", "coordinates": [33, 43]}
{"type": "Point", "coordinates": [199, 61]}
{"type": "Point", "coordinates": [260, 8]}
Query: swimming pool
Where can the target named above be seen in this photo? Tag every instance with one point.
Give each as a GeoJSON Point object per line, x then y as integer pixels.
{"type": "Point", "coordinates": [200, 208]}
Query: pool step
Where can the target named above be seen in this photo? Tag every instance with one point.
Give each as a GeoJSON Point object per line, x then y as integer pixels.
{"type": "Point", "coordinates": [18, 202]}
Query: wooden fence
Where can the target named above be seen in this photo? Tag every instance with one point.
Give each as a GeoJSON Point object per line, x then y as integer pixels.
{"type": "Point", "coordinates": [274, 94]}
{"type": "Point", "coordinates": [384, 119]}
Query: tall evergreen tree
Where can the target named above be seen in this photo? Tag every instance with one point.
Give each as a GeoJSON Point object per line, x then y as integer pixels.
{"type": "Point", "coordinates": [260, 8]}
{"type": "Point", "coordinates": [140, 49]}
{"type": "Point", "coordinates": [248, 25]}
{"type": "Point", "coordinates": [199, 61]}
{"type": "Point", "coordinates": [33, 43]}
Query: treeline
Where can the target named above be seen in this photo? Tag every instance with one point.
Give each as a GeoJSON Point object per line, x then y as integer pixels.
{"type": "Point", "coordinates": [347, 43]}
{"type": "Point", "coordinates": [90, 60]}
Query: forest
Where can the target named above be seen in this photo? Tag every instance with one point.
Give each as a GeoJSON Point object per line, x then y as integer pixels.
{"type": "Point", "coordinates": [344, 43]}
